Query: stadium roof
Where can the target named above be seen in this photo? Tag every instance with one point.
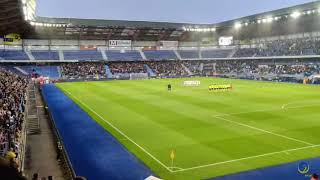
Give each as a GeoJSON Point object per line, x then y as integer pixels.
{"type": "Point", "coordinates": [12, 20]}
{"type": "Point", "coordinates": [11, 17]}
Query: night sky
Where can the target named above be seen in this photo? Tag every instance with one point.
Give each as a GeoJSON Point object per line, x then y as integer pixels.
{"type": "Point", "coordinates": [187, 11]}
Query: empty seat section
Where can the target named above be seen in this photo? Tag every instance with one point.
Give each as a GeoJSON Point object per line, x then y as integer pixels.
{"type": "Point", "coordinates": [13, 55]}
{"type": "Point", "coordinates": [186, 54]}
{"type": "Point", "coordinates": [115, 55]}
{"type": "Point", "coordinates": [45, 55]}
{"type": "Point", "coordinates": [160, 55]}
{"type": "Point", "coordinates": [82, 55]}
{"type": "Point", "coordinates": [218, 53]}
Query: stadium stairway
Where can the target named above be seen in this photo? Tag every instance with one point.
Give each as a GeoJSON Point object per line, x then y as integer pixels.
{"type": "Point", "coordinates": [142, 54]}
{"type": "Point", "coordinates": [187, 69]}
{"type": "Point", "coordinates": [21, 70]}
{"type": "Point", "coordinates": [104, 55]}
{"type": "Point", "coordinates": [150, 71]}
{"type": "Point", "coordinates": [108, 72]}
{"type": "Point", "coordinates": [177, 54]}
{"type": "Point", "coordinates": [234, 51]}
{"type": "Point", "coordinates": [61, 55]}
{"type": "Point", "coordinates": [29, 54]}
{"type": "Point", "coordinates": [93, 152]}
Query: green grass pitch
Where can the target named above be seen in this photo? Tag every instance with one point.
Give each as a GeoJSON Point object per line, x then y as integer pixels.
{"type": "Point", "coordinates": [257, 124]}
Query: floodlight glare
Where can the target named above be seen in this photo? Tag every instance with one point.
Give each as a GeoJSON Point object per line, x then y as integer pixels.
{"type": "Point", "coordinates": [238, 25]}
{"type": "Point", "coordinates": [269, 20]}
{"type": "Point", "coordinates": [259, 21]}
{"type": "Point", "coordinates": [295, 14]}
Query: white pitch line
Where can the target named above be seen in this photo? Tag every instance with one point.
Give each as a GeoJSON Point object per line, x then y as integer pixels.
{"type": "Point", "coordinates": [246, 158]}
{"type": "Point", "coordinates": [284, 106]}
{"type": "Point", "coordinates": [262, 130]}
{"type": "Point", "coordinates": [119, 131]}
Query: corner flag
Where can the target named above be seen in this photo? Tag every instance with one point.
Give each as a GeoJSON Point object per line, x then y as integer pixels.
{"type": "Point", "coordinates": [172, 156]}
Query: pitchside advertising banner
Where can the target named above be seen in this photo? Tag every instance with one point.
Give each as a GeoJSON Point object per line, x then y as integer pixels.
{"type": "Point", "coordinates": [120, 43]}
{"type": "Point", "coordinates": [225, 41]}
{"type": "Point", "coordinates": [191, 83]}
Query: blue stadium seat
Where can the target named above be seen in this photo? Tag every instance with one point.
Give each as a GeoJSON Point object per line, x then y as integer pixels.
{"type": "Point", "coordinates": [219, 53]}
{"type": "Point", "coordinates": [189, 54]}
{"type": "Point", "coordinates": [160, 55]}
{"type": "Point", "coordinates": [130, 55]}
{"type": "Point", "coordinates": [13, 55]}
{"type": "Point", "coordinates": [45, 55]}
{"type": "Point", "coordinates": [82, 55]}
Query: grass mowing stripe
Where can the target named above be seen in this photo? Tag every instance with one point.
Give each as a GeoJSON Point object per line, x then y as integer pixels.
{"type": "Point", "coordinates": [182, 120]}
{"type": "Point", "coordinates": [118, 130]}
{"type": "Point", "coordinates": [262, 130]}
{"type": "Point", "coordinates": [251, 157]}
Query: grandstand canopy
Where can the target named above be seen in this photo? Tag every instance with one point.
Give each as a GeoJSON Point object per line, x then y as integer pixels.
{"type": "Point", "coordinates": [13, 19]}
{"type": "Point", "coordinates": [178, 11]}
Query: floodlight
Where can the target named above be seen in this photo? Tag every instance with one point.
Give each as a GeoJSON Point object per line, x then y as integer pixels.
{"type": "Point", "coordinates": [259, 21]}
{"type": "Point", "coordinates": [238, 25]}
{"type": "Point", "coordinates": [295, 14]}
{"type": "Point", "coordinates": [269, 19]}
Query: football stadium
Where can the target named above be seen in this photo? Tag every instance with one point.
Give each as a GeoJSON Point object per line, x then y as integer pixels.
{"type": "Point", "coordinates": [104, 99]}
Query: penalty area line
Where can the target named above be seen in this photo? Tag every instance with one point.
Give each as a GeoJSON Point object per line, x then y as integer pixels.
{"type": "Point", "coordinates": [119, 131]}
{"type": "Point", "coordinates": [246, 158]}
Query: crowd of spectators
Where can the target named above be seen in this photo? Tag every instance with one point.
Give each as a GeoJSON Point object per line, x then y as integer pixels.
{"type": "Point", "coordinates": [288, 47]}
{"type": "Point", "coordinates": [83, 70]}
{"type": "Point", "coordinates": [125, 67]}
{"type": "Point", "coordinates": [12, 105]}
{"type": "Point", "coordinates": [167, 68]}
{"type": "Point", "coordinates": [257, 67]}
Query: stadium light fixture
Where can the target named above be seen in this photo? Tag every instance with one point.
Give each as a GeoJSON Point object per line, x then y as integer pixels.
{"type": "Point", "coordinates": [259, 21]}
{"type": "Point", "coordinates": [295, 14]}
{"type": "Point", "coordinates": [246, 24]}
{"type": "Point", "coordinates": [269, 19]}
{"type": "Point", "coordinates": [238, 25]}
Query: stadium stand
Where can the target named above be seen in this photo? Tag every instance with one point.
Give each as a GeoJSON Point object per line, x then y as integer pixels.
{"type": "Point", "coordinates": [134, 67]}
{"type": "Point", "coordinates": [218, 53]}
{"type": "Point", "coordinates": [167, 69]}
{"type": "Point", "coordinates": [82, 55]}
{"type": "Point", "coordinates": [12, 107]}
{"type": "Point", "coordinates": [45, 55]}
{"type": "Point", "coordinates": [189, 54]}
{"type": "Point", "coordinates": [46, 71]}
{"type": "Point", "coordinates": [13, 55]}
{"type": "Point", "coordinates": [130, 55]}
{"type": "Point", "coordinates": [83, 70]}
{"type": "Point", "coordinates": [160, 55]}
